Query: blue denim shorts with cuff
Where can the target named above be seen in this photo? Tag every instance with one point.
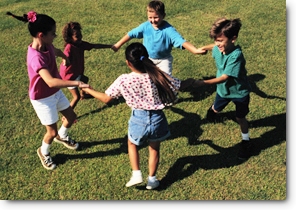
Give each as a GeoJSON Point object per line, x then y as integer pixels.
{"type": "Point", "coordinates": [147, 125]}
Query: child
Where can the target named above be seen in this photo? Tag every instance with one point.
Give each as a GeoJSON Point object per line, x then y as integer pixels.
{"type": "Point", "coordinates": [74, 50]}
{"type": "Point", "coordinates": [45, 83]}
{"type": "Point", "coordinates": [159, 37]}
{"type": "Point", "coordinates": [146, 90]}
{"type": "Point", "coordinates": [231, 77]}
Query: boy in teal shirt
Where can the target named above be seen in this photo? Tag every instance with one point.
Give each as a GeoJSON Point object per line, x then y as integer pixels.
{"type": "Point", "coordinates": [231, 77]}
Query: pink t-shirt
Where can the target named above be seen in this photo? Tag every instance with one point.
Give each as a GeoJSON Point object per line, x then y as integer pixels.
{"type": "Point", "coordinates": [138, 90]}
{"type": "Point", "coordinates": [37, 60]}
{"type": "Point", "coordinates": [76, 57]}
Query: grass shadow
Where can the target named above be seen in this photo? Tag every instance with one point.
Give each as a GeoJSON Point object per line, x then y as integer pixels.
{"type": "Point", "coordinates": [227, 156]}
{"type": "Point", "coordinates": [62, 158]}
{"type": "Point", "coordinates": [114, 102]}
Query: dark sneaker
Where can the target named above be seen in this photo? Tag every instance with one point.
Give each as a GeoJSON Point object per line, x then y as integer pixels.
{"type": "Point", "coordinates": [211, 115]}
{"type": "Point", "coordinates": [245, 150]}
{"type": "Point", "coordinates": [46, 160]}
{"type": "Point", "coordinates": [67, 142]}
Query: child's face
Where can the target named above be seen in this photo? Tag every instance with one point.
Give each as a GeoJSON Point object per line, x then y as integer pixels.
{"type": "Point", "coordinates": [49, 37]}
{"type": "Point", "coordinates": [77, 37]}
{"type": "Point", "coordinates": [224, 44]}
{"type": "Point", "coordinates": [154, 18]}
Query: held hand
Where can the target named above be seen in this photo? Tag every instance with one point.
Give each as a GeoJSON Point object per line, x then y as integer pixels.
{"type": "Point", "coordinates": [202, 51]}
{"type": "Point", "coordinates": [66, 62]}
{"type": "Point", "coordinates": [197, 83]}
{"type": "Point", "coordinates": [83, 85]}
{"type": "Point", "coordinates": [86, 89]}
{"type": "Point", "coordinates": [115, 48]}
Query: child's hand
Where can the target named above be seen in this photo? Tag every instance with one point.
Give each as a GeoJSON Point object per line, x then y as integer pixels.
{"type": "Point", "coordinates": [197, 83]}
{"type": "Point", "coordinates": [114, 48]}
{"type": "Point", "coordinates": [86, 89]}
{"type": "Point", "coordinates": [83, 85]}
{"type": "Point", "coordinates": [201, 51]}
{"type": "Point", "coordinates": [66, 62]}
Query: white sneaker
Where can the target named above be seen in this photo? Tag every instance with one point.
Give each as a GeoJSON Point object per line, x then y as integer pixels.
{"type": "Point", "coordinates": [134, 180]}
{"type": "Point", "coordinates": [46, 160]}
{"type": "Point", "coordinates": [152, 185]}
{"type": "Point", "coordinates": [67, 142]}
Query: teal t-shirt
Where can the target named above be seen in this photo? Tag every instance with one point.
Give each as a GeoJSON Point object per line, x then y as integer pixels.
{"type": "Point", "coordinates": [159, 43]}
{"type": "Point", "coordinates": [233, 65]}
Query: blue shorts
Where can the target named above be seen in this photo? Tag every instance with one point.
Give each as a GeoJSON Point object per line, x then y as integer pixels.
{"type": "Point", "coordinates": [147, 125]}
{"type": "Point", "coordinates": [241, 105]}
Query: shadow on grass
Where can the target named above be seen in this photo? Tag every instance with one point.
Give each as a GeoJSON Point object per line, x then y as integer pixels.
{"type": "Point", "coordinates": [203, 92]}
{"type": "Point", "coordinates": [186, 166]}
{"type": "Point", "coordinates": [62, 158]}
{"type": "Point", "coordinates": [114, 102]}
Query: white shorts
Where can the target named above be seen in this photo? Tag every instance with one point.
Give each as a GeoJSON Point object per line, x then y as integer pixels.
{"type": "Point", "coordinates": [165, 64]}
{"type": "Point", "coordinates": [47, 108]}
{"type": "Point", "coordinates": [77, 79]}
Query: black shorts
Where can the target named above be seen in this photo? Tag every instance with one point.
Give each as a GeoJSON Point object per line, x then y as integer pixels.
{"type": "Point", "coordinates": [241, 105]}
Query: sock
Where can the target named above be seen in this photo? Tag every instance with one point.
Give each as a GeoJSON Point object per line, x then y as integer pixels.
{"type": "Point", "coordinates": [245, 136]}
{"type": "Point", "coordinates": [137, 173]}
{"type": "Point", "coordinates": [45, 148]}
{"type": "Point", "coordinates": [63, 132]}
{"type": "Point", "coordinates": [152, 178]}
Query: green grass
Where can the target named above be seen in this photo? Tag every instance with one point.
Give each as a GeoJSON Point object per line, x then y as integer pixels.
{"type": "Point", "coordinates": [208, 170]}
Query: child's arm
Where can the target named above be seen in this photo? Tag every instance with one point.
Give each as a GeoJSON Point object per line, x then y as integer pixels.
{"type": "Point", "coordinates": [53, 82]}
{"type": "Point", "coordinates": [98, 95]}
{"type": "Point", "coordinates": [59, 53]}
{"type": "Point", "coordinates": [102, 46]}
{"type": "Point", "coordinates": [208, 47]}
{"type": "Point", "coordinates": [188, 46]}
{"type": "Point", "coordinates": [222, 78]}
{"type": "Point", "coordinates": [121, 42]}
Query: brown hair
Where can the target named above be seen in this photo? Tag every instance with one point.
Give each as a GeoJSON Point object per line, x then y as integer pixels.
{"type": "Point", "coordinates": [229, 28]}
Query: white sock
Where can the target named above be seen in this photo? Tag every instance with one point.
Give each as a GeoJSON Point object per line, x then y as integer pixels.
{"type": "Point", "coordinates": [152, 178]}
{"type": "Point", "coordinates": [45, 148]}
{"type": "Point", "coordinates": [63, 132]}
{"type": "Point", "coordinates": [137, 173]}
{"type": "Point", "coordinates": [245, 136]}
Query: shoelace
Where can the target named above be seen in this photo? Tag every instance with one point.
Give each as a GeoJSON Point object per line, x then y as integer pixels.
{"type": "Point", "coordinates": [47, 160]}
{"type": "Point", "coordinates": [69, 140]}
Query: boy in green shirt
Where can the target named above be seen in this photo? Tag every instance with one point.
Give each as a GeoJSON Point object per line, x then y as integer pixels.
{"type": "Point", "coordinates": [231, 77]}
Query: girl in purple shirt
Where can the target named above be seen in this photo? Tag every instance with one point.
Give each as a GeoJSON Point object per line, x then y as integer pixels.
{"type": "Point", "coordinates": [74, 50]}
{"type": "Point", "coordinates": [45, 83]}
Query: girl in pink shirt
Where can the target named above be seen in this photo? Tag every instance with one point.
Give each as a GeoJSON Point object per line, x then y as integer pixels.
{"type": "Point", "coordinates": [74, 50]}
{"type": "Point", "coordinates": [45, 83]}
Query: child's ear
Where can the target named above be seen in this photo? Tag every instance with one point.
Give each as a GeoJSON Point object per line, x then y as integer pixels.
{"type": "Point", "coordinates": [40, 35]}
{"type": "Point", "coordinates": [233, 39]}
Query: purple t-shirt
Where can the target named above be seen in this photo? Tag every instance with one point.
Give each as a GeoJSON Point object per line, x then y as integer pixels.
{"type": "Point", "coordinates": [76, 57]}
{"type": "Point", "coordinates": [36, 61]}
{"type": "Point", "coordinates": [138, 90]}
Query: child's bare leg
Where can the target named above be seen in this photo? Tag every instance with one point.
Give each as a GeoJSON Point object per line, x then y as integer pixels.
{"type": "Point", "coordinates": [75, 97]}
{"type": "Point", "coordinates": [133, 156]}
{"type": "Point", "coordinates": [153, 157]}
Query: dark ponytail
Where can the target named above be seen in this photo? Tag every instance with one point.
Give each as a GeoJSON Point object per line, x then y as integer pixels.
{"type": "Point", "coordinates": [137, 55]}
{"type": "Point", "coordinates": [37, 22]}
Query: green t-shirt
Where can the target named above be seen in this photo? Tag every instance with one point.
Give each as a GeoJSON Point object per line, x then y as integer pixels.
{"type": "Point", "coordinates": [233, 65]}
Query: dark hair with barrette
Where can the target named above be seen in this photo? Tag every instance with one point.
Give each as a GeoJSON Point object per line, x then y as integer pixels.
{"type": "Point", "coordinates": [37, 22]}
{"type": "Point", "coordinates": [137, 55]}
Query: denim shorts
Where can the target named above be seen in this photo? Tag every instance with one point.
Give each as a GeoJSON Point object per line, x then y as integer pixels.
{"type": "Point", "coordinates": [241, 105]}
{"type": "Point", "coordinates": [147, 125]}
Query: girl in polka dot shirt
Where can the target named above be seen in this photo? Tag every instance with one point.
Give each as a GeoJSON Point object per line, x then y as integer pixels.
{"type": "Point", "coordinates": [147, 91]}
